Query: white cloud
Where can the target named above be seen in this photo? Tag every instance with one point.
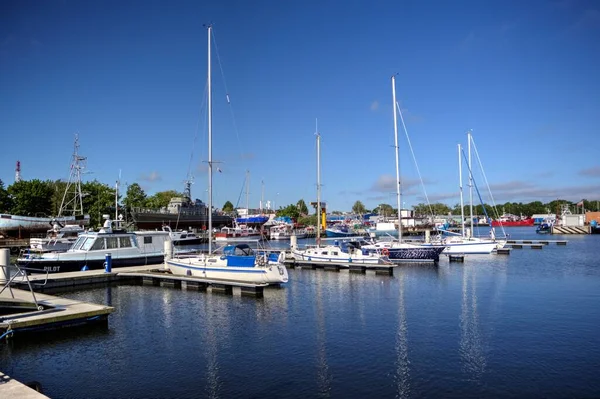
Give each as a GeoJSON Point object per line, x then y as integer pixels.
{"type": "Point", "coordinates": [152, 177]}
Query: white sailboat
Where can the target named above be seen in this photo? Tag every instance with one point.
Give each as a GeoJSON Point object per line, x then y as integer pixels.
{"type": "Point", "coordinates": [337, 252]}
{"type": "Point", "coordinates": [236, 262]}
{"type": "Point", "coordinates": [399, 251]}
{"type": "Point", "coordinates": [465, 242]}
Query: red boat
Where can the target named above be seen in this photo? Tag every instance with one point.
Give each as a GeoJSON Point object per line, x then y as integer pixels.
{"type": "Point", "coordinates": [512, 221]}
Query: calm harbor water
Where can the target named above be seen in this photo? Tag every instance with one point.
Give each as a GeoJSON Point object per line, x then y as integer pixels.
{"type": "Point", "coordinates": [524, 325]}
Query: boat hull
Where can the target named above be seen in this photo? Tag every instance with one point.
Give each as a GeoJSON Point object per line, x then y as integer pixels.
{"type": "Point", "coordinates": [417, 254]}
{"type": "Point", "coordinates": [337, 234]}
{"type": "Point", "coordinates": [15, 224]}
{"type": "Point", "coordinates": [348, 259]}
{"type": "Point", "coordinates": [75, 265]}
{"type": "Point", "coordinates": [200, 267]}
{"type": "Point", "coordinates": [194, 241]}
{"type": "Point", "coordinates": [516, 223]}
{"type": "Point", "coordinates": [149, 220]}
{"type": "Point", "coordinates": [472, 248]}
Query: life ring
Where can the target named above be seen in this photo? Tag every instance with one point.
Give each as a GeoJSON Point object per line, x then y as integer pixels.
{"type": "Point", "coordinates": [385, 252]}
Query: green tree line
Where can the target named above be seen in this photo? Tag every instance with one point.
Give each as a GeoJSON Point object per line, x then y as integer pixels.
{"type": "Point", "coordinates": [43, 198]}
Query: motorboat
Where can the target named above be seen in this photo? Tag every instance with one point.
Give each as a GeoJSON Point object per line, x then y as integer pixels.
{"type": "Point", "coordinates": [91, 249]}
{"type": "Point", "coordinates": [183, 237]}
{"type": "Point", "coordinates": [57, 239]}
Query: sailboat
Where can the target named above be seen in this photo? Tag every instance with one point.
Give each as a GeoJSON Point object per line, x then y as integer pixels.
{"type": "Point", "coordinates": [465, 242]}
{"type": "Point", "coordinates": [399, 251]}
{"type": "Point", "coordinates": [236, 262]}
{"type": "Point", "coordinates": [339, 253]}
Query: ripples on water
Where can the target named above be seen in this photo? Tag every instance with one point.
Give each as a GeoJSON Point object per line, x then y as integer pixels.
{"type": "Point", "coordinates": [524, 325]}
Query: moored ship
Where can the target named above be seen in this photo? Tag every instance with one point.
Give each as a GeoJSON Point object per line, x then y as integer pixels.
{"type": "Point", "coordinates": [181, 212]}
{"type": "Point", "coordinates": [508, 220]}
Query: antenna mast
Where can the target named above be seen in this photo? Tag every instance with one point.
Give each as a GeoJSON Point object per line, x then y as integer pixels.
{"type": "Point", "coordinates": [18, 172]}
{"type": "Point", "coordinates": [72, 201]}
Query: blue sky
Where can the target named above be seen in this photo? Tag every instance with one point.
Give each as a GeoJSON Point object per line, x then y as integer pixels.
{"type": "Point", "coordinates": [129, 77]}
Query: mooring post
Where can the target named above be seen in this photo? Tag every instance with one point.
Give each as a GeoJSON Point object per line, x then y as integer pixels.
{"type": "Point", "coordinates": [168, 248]}
{"type": "Point", "coordinates": [4, 265]}
{"type": "Point", "coordinates": [107, 263]}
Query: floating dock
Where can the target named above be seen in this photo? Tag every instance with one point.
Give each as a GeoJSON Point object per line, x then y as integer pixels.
{"type": "Point", "coordinates": [533, 244]}
{"type": "Point", "coordinates": [382, 269]}
{"type": "Point", "coordinates": [571, 230]}
{"type": "Point", "coordinates": [137, 275]}
{"type": "Point", "coordinates": [53, 313]}
{"type": "Point", "coordinates": [11, 388]}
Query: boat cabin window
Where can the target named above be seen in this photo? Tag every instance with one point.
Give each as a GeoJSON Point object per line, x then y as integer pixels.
{"type": "Point", "coordinates": [324, 253]}
{"type": "Point", "coordinates": [78, 243]}
{"type": "Point", "coordinates": [335, 253]}
{"type": "Point", "coordinates": [99, 244]}
{"type": "Point", "coordinates": [147, 239]}
{"type": "Point", "coordinates": [212, 260]}
{"type": "Point", "coordinates": [125, 242]}
{"type": "Point", "coordinates": [112, 242]}
{"type": "Point", "coordinates": [183, 235]}
{"type": "Point", "coordinates": [87, 244]}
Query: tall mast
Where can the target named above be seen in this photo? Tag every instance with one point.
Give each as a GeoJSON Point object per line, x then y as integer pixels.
{"type": "Point", "coordinates": [397, 161]}
{"type": "Point", "coordinates": [318, 183]}
{"type": "Point", "coordinates": [262, 195]}
{"type": "Point", "coordinates": [209, 146]}
{"type": "Point", "coordinates": [470, 182]}
{"type": "Point", "coordinates": [247, 193]}
{"type": "Point", "coordinates": [460, 188]}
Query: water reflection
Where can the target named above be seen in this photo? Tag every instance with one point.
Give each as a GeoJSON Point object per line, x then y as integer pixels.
{"type": "Point", "coordinates": [323, 374]}
{"type": "Point", "coordinates": [402, 377]}
{"type": "Point", "coordinates": [473, 359]}
{"type": "Point", "coordinates": [210, 340]}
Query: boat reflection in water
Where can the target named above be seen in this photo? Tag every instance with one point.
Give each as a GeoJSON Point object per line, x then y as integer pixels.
{"type": "Point", "coordinates": [402, 377]}
{"type": "Point", "coordinates": [471, 352]}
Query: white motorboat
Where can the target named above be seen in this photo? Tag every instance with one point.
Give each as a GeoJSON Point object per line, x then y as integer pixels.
{"type": "Point", "coordinates": [285, 231]}
{"type": "Point", "coordinates": [90, 250]}
{"type": "Point", "coordinates": [239, 233]}
{"type": "Point", "coordinates": [57, 239]}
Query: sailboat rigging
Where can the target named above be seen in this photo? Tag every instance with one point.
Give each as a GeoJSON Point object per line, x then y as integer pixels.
{"type": "Point", "coordinates": [236, 262]}
{"type": "Point", "coordinates": [400, 251]}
